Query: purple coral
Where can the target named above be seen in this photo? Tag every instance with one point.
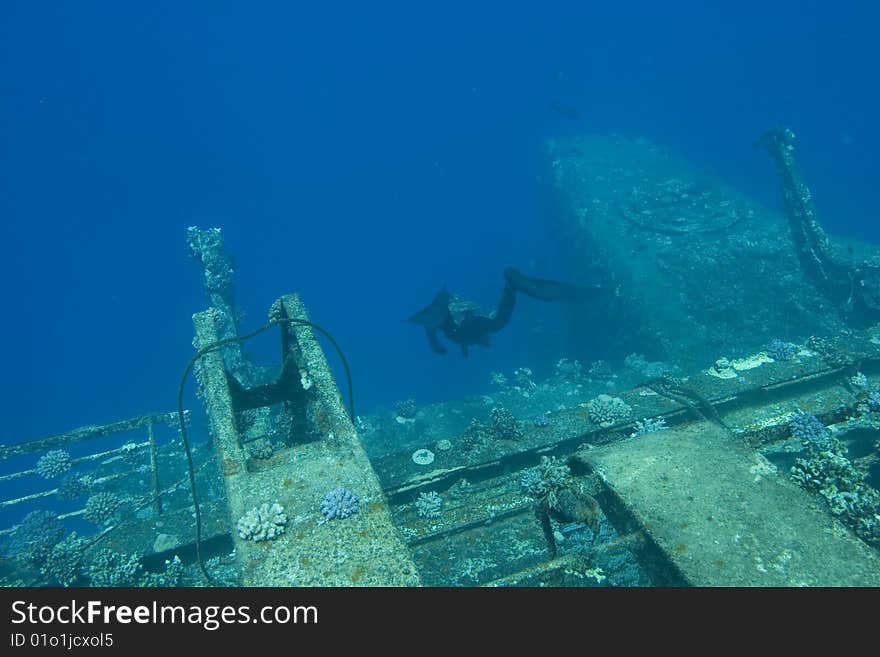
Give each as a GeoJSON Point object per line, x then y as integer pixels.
{"type": "Point", "coordinates": [781, 350]}
{"type": "Point", "coordinates": [340, 503]}
{"type": "Point", "coordinates": [807, 428]}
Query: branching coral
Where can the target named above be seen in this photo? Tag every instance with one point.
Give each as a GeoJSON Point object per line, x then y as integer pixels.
{"type": "Point", "coordinates": [606, 410]}
{"type": "Point", "coordinates": [649, 425]}
{"type": "Point", "coordinates": [262, 523]}
{"type": "Point", "coordinates": [340, 503]}
{"type": "Point", "coordinates": [475, 437]}
{"type": "Point", "coordinates": [63, 565]}
{"type": "Point", "coordinates": [504, 425]}
{"type": "Point", "coordinates": [780, 350]}
{"type": "Point", "coordinates": [112, 568]}
{"type": "Point", "coordinates": [826, 470]}
{"type": "Point", "coordinates": [34, 537]}
{"type": "Point", "coordinates": [53, 464]}
{"type": "Point", "coordinates": [73, 487]}
{"type": "Point", "coordinates": [544, 481]}
{"type": "Point", "coordinates": [101, 507]}
{"type": "Point", "coordinates": [807, 428]}
{"type": "Point", "coordinates": [429, 505]}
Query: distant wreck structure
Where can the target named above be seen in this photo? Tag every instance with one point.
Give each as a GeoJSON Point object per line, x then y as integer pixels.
{"type": "Point", "coordinates": [697, 268]}
{"type": "Point", "coordinates": [852, 285]}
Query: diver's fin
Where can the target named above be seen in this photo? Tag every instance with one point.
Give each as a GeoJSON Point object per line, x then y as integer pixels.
{"type": "Point", "coordinates": [436, 346]}
{"type": "Point", "coordinates": [546, 290]}
{"type": "Point", "coordinates": [434, 314]}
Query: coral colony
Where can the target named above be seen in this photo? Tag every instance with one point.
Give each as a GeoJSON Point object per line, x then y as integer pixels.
{"type": "Point", "coordinates": [339, 503]}
{"type": "Point", "coordinates": [262, 523]}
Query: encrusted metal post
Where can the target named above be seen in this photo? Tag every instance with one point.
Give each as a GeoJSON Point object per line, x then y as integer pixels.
{"type": "Point", "coordinates": [814, 248]}
{"type": "Point", "coordinates": [206, 246]}
{"type": "Point", "coordinates": [280, 533]}
{"type": "Point", "coordinates": [154, 468]}
{"type": "Point", "coordinates": [853, 286]}
{"type": "Point", "coordinates": [87, 433]}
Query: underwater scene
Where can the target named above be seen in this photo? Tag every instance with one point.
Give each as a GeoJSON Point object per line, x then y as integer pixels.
{"type": "Point", "coordinates": [440, 294]}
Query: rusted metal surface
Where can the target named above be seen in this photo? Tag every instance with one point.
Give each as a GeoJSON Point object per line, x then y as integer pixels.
{"type": "Point", "coordinates": [364, 549]}
{"type": "Point", "coordinates": [723, 516]}
{"type": "Point", "coordinates": [88, 433]}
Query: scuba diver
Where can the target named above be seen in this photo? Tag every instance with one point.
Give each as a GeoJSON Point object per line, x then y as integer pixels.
{"type": "Point", "coordinates": [463, 324]}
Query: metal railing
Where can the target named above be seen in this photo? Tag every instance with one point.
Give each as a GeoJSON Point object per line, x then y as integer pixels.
{"type": "Point", "coordinates": [146, 422]}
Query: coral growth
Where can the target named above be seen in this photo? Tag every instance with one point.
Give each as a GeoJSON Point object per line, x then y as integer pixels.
{"type": "Point", "coordinates": [261, 448]}
{"type": "Point", "coordinates": [429, 505]}
{"type": "Point", "coordinates": [568, 371]}
{"type": "Point", "coordinates": [649, 425]}
{"type": "Point", "coordinates": [112, 568]}
{"type": "Point", "coordinates": [601, 370]}
{"type": "Point", "coordinates": [475, 437]}
{"type": "Point", "coordinates": [460, 489]}
{"type": "Point", "coordinates": [541, 421]}
{"type": "Point", "coordinates": [781, 351]}
{"type": "Point", "coordinates": [73, 487]}
{"type": "Point", "coordinates": [807, 428]}
{"type": "Point", "coordinates": [606, 410]}
{"type": "Point", "coordinates": [405, 409]}
{"type": "Point", "coordinates": [504, 425]}
{"type": "Point", "coordinates": [34, 537]}
{"type": "Point", "coordinates": [647, 369]}
{"type": "Point", "coordinates": [826, 470]}
{"type": "Point", "coordinates": [423, 456]}
{"type": "Point", "coordinates": [544, 481]}
{"type": "Point", "coordinates": [524, 383]}
{"type": "Point", "coordinates": [63, 565]}
{"type": "Point", "coordinates": [53, 464]}
{"type": "Point", "coordinates": [262, 523]}
{"type": "Point", "coordinates": [170, 576]}
{"type": "Point", "coordinates": [340, 503]}
{"type": "Point", "coordinates": [101, 507]}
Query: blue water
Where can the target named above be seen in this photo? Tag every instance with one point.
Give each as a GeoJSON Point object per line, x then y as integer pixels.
{"type": "Point", "coordinates": [362, 154]}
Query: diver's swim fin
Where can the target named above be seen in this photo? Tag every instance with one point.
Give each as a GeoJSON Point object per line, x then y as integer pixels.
{"type": "Point", "coordinates": [540, 288]}
{"type": "Point", "coordinates": [436, 346]}
{"type": "Point", "coordinates": [436, 313]}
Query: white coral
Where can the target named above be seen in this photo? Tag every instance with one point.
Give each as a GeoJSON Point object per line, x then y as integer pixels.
{"type": "Point", "coordinates": [262, 523]}
{"type": "Point", "coordinates": [606, 410]}
{"type": "Point", "coordinates": [429, 505]}
{"type": "Point", "coordinates": [423, 456]}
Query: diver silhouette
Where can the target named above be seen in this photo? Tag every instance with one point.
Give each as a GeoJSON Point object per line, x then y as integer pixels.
{"type": "Point", "coordinates": [462, 322]}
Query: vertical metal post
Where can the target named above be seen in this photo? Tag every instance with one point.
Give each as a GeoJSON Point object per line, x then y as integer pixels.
{"type": "Point", "coordinates": [206, 246]}
{"type": "Point", "coordinates": [154, 467]}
